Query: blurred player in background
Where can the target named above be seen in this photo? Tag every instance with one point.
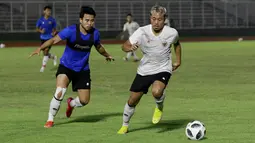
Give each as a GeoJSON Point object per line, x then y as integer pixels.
{"type": "Point", "coordinates": [74, 63]}
{"type": "Point", "coordinates": [167, 22]}
{"type": "Point", "coordinates": [46, 25]}
{"type": "Point", "coordinates": [155, 68]}
{"type": "Point", "coordinates": [130, 26]}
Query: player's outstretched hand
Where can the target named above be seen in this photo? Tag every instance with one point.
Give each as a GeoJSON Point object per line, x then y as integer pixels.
{"type": "Point", "coordinates": [36, 52]}
{"type": "Point", "coordinates": [175, 66]}
{"type": "Point", "coordinates": [109, 58]}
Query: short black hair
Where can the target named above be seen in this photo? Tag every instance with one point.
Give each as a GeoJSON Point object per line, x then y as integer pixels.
{"type": "Point", "coordinates": [47, 7]}
{"type": "Point", "coordinates": [87, 10]}
{"type": "Point", "coordinates": [129, 14]}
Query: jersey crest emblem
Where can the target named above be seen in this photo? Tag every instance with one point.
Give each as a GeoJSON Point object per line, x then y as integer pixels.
{"type": "Point", "coordinates": [164, 43]}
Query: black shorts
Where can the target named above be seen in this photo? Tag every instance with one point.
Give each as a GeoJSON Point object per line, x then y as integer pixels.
{"type": "Point", "coordinates": [80, 80]}
{"type": "Point", "coordinates": [43, 41]}
{"type": "Point", "coordinates": [143, 83]}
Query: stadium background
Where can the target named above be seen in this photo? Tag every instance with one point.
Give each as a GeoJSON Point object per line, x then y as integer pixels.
{"type": "Point", "coordinates": [194, 19]}
{"type": "Point", "coordinates": [215, 83]}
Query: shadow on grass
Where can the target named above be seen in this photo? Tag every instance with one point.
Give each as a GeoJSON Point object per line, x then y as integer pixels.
{"type": "Point", "coordinates": [91, 118]}
{"type": "Point", "coordinates": [165, 125]}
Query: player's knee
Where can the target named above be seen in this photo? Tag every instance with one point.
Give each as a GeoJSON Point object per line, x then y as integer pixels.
{"type": "Point", "coordinates": [160, 98]}
{"type": "Point", "coordinates": [60, 93]}
{"type": "Point", "coordinates": [157, 93]}
{"type": "Point", "coordinates": [134, 98]}
{"type": "Point", "coordinates": [84, 101]}
{"type": "Point", "coordinates": [132, 102]}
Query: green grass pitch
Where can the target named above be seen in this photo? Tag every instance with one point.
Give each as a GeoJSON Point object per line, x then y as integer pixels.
{"type": "Point", "coordinates": [215, 84]}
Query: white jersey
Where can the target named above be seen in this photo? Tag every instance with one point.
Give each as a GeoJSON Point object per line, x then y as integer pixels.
{"type": "Point", "coordinates": [131, 27]}
{"type": "Point", "coordinates": [156, 49]}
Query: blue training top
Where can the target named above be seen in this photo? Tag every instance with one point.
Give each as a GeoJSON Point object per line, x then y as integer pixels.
{"type": "Point", "coordinates": [77, 50]}
{"type": "Point", "coordinates": [48, 25]}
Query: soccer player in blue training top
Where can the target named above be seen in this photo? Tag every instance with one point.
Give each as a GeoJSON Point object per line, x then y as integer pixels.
{"type": "Point", "coordinates": [74, 64]}
{"type": "Point", "coordinates": [46, 25]}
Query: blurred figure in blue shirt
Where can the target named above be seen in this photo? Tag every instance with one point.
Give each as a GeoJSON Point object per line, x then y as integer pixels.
{"type": "Point", "coordinates": [46, 25]}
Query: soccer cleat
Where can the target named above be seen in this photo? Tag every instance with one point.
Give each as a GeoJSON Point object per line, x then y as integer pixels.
{"type": "Point", "coordinates": [69, 108]}
{"type": "Point", "coordinates": [55, 60]}
{"type": "Point", "coordinates": [123, 130]}
{"type": "Point", "coordinates": [125, 58]}
{"type": "Point", "coordinates": [42, 69]}
{"type": "Point", "coordinates": [49, 124]}
{"type": "Point", "coordinates": [157, 116]}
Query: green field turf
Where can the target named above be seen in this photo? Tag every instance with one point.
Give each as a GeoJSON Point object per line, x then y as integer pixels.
{"type": "Point", "coordinates": [215, 84]}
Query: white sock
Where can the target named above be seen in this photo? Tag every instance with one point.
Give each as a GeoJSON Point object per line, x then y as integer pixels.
{"type": "Point", "coordinates": [51, 56]}
{"type": "Point", "coordinates": [55, 103]}
{"type": "Point", "coordinates": [129, 54]}
{"type": "Point", "coordinates": [54, 107]}
{"type": "Point", "coordinates": [76, 102]}
{"type": "Point", "coordinates": [45, 60]}
{"type": "Point", "coordinates": [127, 114]}
{"type": "Point", "coordinates": [135, 57]}
{"type": "Point", "coordinates": [160, 102]}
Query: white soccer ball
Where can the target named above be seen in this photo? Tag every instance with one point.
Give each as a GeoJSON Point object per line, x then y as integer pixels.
{"type": "Point", "coordinates": [195, 130]}
{"type": "Point", "coordinates": [2, 45]}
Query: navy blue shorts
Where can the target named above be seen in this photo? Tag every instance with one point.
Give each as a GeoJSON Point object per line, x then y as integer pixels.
{"type": "Point", "coordinates": [43, 41]}
{"type": "Point", "coordinates": [80, 80]}
{"type": "Point", "coordinates": [143, 83]}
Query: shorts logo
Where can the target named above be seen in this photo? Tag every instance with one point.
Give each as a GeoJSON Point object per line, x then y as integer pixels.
{"type": "Point", "coordinates": [87, 84]}
{"type": "Point", "coordinates": [163, 78]}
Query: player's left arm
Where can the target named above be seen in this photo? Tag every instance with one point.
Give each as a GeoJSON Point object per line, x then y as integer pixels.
{"type": "Point", "coordinates": [177, 49]}
{"type": "Point", "coordinates": [100, 48]}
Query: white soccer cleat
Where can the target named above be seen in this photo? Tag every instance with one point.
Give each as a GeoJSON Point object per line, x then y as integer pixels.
{"type": "Point", "coordinates": [42, 69]}
{"type": "Point", "coordinates": [55, 62]}
{"type": "Point", "coordinates": [125, 58]}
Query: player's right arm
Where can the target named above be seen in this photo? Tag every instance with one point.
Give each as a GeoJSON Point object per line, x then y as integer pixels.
{"type": "Point", "coordinates": [124, 27]}
{"type": "Point", "coordinates": [46, 44]}
{"type": "Point", "coordinates": [64, 34]}
{"type": "Point", "coordinates": [133, 42]}
{"type": "Point", "coordinates": [38, 25]}
{"type": "Point", "coordinates": [122, 33]}
{"type": "Point", "coordinates": [40, 30]}
{"type": "Point", "coordinates": [136, 25]}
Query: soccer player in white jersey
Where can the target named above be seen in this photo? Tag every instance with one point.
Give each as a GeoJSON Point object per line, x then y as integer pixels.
{"type": "Point", "coordinates": [155, 67]}
{"type": "Point", "coordinates": [130, 26]}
